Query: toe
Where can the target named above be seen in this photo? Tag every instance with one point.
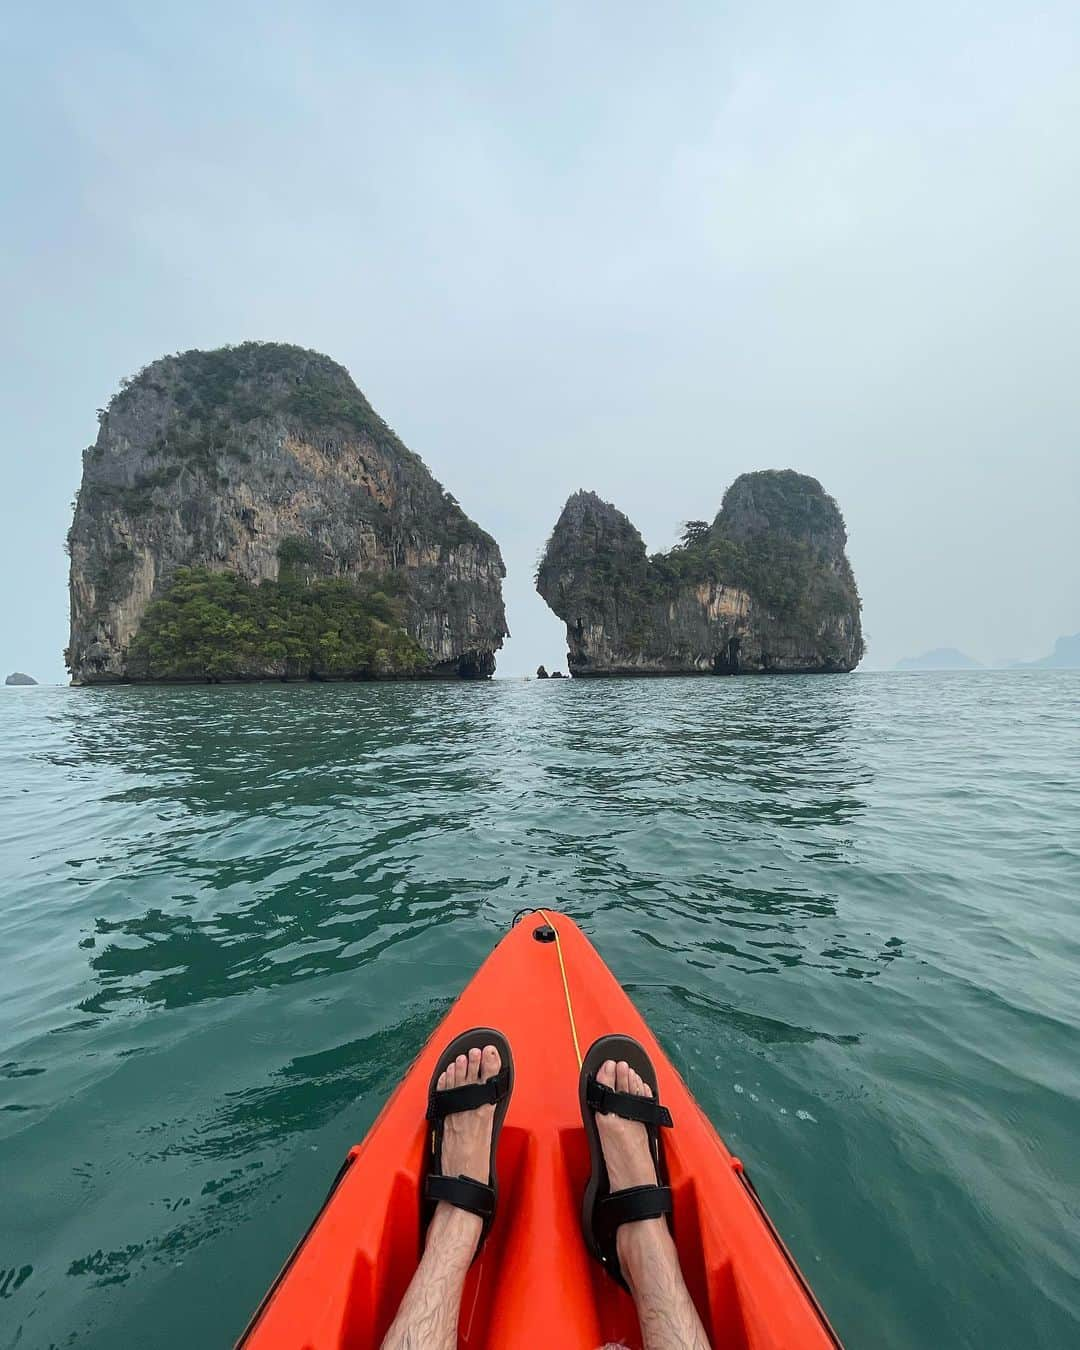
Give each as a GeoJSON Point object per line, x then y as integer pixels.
{"type": "Point", "coordinates": [647, 1089]}
{"type": "Point", "coordinates": [441, 1084]}
{"type": "Point", "coordinates": [622, 1076]}
{"type": "Point", "coordinates": [473, 1075]}
{"type": "Point", "coordinates": [606, 1073]}
{"type": "Point", "coordinates": [450, 1074]}
{"type": "Point", "coordinates": [461, 1069]}
{"type": "Point", "coordinates": [635, 1083]}
{"type": "Point", "coordinates": [490, 1063]}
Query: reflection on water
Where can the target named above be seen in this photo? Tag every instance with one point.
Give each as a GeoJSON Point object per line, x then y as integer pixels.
{"type": "Point", "coordinates": [235, 913]}
{"type": "Point", "coordinates": [297, 834]}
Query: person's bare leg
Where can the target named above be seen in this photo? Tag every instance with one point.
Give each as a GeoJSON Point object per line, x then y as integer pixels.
{"type": "Point", "coordinates": [650, 1263]}
{"type": "Point", "coordinates": [428, 1316]}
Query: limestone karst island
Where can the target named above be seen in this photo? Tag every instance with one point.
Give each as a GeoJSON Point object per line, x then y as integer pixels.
{"type": "Point", "coordinates": [244, 514]}
{"type": "Point", "coordinates": [767, 587]}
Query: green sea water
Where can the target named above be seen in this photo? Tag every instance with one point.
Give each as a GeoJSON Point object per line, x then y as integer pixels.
{"type": "Point", "coordinates": [849, 907]}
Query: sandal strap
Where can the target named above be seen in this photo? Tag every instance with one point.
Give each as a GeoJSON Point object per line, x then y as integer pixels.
{"type": "Point", "coordinates": [633, 1204]}
{"type": "Point", "coordinates": [625, 1104]}
{"type": "Point", "coordinates": [468, 1096]}
{"type": "Point", "coordinates": [462, 1192]}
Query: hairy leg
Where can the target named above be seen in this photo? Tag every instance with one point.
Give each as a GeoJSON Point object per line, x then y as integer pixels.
{"type": "Point", "coordinates": [650, 1263]}
{"type": "Point", "coordinates": [428, 1316]}
{"type": "Point", "coordinates": [669, 1320]}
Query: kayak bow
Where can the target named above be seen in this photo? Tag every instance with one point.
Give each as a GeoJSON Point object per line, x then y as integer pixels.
{"type": "Point", "coordinates": [546, 987]}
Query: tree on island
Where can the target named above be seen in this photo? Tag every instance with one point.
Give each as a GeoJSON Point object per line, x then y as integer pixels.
{"type": "Point", "coordinates": [694, 533]}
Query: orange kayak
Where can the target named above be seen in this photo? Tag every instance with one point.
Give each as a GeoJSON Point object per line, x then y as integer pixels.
{"type": "Point", "coordinates": [547, 989]}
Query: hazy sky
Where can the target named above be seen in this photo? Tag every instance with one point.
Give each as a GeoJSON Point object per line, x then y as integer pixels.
{"type": "Point", "coordinates": [632, 248]}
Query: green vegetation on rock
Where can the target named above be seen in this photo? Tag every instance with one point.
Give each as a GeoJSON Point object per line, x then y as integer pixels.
{"type": "Point", "coordinates": [294, 553]}
{"type": "Point", "coordinates": [781, 550]}
{"type": "Point", "coordinates": [221, 401]}
{"type": "Point", "coordinates": [112, 576]}
{"type": "Point", "coordinates": [790, 577]}
{"type": "Point", "coordinates": [216, 626]}
{"type": "Point", "coordinates": [219, 393]}
{"type": "Point", "coordinates": [229, 386]}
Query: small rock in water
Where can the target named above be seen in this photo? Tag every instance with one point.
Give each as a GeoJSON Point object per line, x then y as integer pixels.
{"type": "Point", "coordinates": [541, 673]}
{"type": "Point", "coordinates": [17, 677]}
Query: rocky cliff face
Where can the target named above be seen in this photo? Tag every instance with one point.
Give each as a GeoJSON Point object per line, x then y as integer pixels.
{"type": "Point", "coordinates": [266, 463]}
{"type": "Point", "coordinates": [766, 587]}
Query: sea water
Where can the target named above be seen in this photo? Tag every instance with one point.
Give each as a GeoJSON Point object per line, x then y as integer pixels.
{"type": "Point", "coordinates": [848, 906]}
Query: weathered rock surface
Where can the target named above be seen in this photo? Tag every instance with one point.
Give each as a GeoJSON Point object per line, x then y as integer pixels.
{"type": "Point", "coordinates": [17, 677]}
{"type": "Point", "coordinates": [250, 459]}
{"type": "Point", "coordinates": [766, 587]}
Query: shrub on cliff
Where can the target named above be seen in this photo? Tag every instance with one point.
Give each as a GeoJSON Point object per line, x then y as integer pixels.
{"type": "Point", "coordinates": [215, 625]}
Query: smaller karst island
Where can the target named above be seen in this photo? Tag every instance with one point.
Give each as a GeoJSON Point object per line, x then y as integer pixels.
{"type": "Point", "coordinates": [767, 587]}
{"type": "Point", "coordinates": [244, 514]}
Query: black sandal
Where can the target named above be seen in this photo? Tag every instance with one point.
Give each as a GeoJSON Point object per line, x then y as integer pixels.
{"type": "Point", "coordinates": [461, 1191]}
{"type": "Point", "coordinates": [604, 1213]}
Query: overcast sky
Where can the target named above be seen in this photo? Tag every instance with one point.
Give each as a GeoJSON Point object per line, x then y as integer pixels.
{"type": "Point", "coordinates": [633, 248]}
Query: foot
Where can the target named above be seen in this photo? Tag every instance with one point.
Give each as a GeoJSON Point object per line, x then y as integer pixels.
{"type": "Point", "coordinates": [625, 1142]}
{"type": "Point", "coordinates": [629, 1162]}
{"type": "Point", "coordinates": [466, 1145]}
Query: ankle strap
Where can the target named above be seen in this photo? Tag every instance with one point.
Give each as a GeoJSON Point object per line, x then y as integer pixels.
{"type": "Point", "coordinates": [462, 1193]}
{"type": "Point", "coordinates": [633, 1204]}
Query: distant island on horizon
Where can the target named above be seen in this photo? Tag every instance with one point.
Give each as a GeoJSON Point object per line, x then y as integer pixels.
{"type": "Point", "coordinates": [1065, 656]}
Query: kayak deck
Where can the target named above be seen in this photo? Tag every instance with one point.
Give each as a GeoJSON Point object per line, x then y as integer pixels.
{"type": "Point", "coordinates": [534, 1286]}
